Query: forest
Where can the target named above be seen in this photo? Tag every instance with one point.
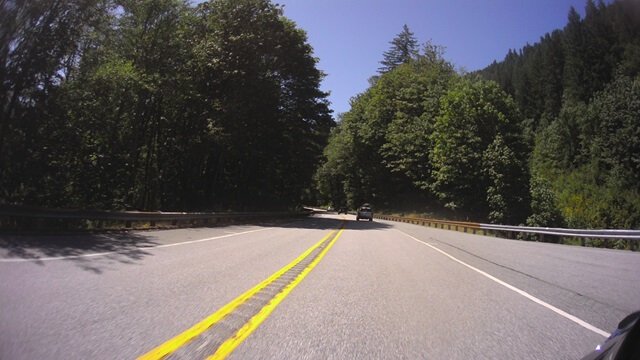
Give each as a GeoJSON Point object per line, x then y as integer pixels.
{"type": "Point", "coordinates": [550, 136]}
{"type": "Point", "coordinates": [165, 105]}
{"type": "Point", "coordinates": [157, 105]}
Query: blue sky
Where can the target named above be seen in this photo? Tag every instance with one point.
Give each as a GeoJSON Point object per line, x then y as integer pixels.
{"type": "Point", "coordinates": [349, 36]}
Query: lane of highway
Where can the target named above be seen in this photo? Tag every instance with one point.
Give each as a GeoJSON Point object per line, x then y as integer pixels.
{"type": "Point", "coordinates": [597, 285]}
{"type": "Point", "coordinates": [379, 291]}
{"type": "Point", "coordinates": [378, 295]}
{"type": "Point", "coordinates": [122, 305]}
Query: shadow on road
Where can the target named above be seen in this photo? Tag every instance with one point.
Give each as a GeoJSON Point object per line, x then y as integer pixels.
{"type": "Point", "coordinates": [366, 225]}
{"type": "Point", "coordinates": [123, 247]}
{"type": "Point", "coordinates": [327, 223]}
{"type": "Point", "coordinates": [97, 252]}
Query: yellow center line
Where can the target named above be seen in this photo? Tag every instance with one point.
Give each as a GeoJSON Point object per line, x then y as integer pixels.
{"type": "Point", "coordinates": [173, 344]}
{"type": "Point", "coordinates": [228, 346]}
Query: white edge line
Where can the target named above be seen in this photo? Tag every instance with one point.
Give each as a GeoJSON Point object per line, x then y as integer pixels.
{"type": "Point", "coordinates": [573, 318]}
{"type": "Point", "coordinates": [129, 250]}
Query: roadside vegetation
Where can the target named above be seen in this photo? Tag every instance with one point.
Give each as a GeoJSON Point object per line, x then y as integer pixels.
{"type": "Point", "coordinates": [163, 105]}
{"type": "Point", "coordinates": [550, 136]}
{"type": "Point", "coordinates": [157, 104]}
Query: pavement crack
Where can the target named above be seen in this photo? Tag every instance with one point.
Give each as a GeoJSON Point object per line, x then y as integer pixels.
{"type": "Point", "coordinates": [527, 275]}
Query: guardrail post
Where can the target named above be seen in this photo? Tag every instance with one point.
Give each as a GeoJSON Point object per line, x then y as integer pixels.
{"type": "Point", "coordinates": [448, 226]}
{"type": "Point", "coordinates": [630, 242]}
{"type": "Point", "coordinates": [582, 241]}
{"type": "Point", "coordinates": [456, 227]}
{"type": "Point", "coordinates": [127, 224]}
{"type": "Point", "coordinates": [152, 224]}
{"type": "Point", "coordinates": [474, 231]}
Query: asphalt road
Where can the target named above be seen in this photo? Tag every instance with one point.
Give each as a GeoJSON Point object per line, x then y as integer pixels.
{"type": "Point", "coordinates": [375, 290]}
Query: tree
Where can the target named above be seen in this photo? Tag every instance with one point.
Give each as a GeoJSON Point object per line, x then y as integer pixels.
{"type": "Point", "coordinates": [588, 159]}
{"type": "Point", "coordinates": [544, 204]}
{"type": "Point", "coordinates": [506, 174]}
{"type": "Point", "coordinates": [416, 103]}
{"type": "Point", "coordinates": [574, 66]}
{"type": "Point", "coordinates": [154, 104]}
{"type": "Point", "coordinates": [558, 145]}
{"type": "Point", "coordinates": [404, 48]}
{"type": "Point", "coordinates": [261, 92]}
{"type": "Point", "coordinates": [478, 156]}
{"type": "Point", "coordinates": [40, 43]}
{"type": "Point", "coordinates": [612, 132]}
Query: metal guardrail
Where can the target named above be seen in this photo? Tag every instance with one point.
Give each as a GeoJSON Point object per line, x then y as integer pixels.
{"type": "Point", "coordinates": [605, 234]}
{"type": "Point", "coordinates": [451, 225]}
{"type": "Point", "coordinates": [582, 233]}
{"type": "Point", "coordinates": [12, 214]}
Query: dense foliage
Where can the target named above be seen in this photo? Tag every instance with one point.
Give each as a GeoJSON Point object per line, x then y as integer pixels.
{"type": "Point", "coordinates": [548, 137]}
{"type": "Point", "coordinates": [578, 89]}
{"type": "Point", "coordinates": [155, 104]}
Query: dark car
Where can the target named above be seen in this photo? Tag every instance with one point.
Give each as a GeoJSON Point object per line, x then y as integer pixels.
{"type": "Point", "coordinates": [364, 212]}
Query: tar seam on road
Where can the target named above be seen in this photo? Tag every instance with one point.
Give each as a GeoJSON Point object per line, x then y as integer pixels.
{"type": "Point", "coordinates": [129, 250]}
{"type": "Point", "coordinates": [220, 333]}
{"type": "Point", "coordinates": [562, 313]}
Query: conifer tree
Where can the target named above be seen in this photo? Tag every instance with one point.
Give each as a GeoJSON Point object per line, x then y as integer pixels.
{"type": "Point", "coordinates": [404, 48]}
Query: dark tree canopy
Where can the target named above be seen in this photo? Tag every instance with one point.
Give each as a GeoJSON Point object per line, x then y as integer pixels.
{"type": "Point", "coordinates": [156, 104]}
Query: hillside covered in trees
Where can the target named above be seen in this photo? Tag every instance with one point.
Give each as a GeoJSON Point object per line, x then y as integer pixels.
{"type": "Point", "coordinates": [550, 136]}
{"type": "Point", "coordinates": [157, 104]}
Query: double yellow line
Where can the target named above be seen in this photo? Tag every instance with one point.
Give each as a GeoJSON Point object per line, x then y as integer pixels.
{"type": "Point", "coordinates": [230, 344]}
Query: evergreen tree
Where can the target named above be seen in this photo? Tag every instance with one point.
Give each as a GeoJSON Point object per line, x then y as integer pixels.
{"type": "Point", "coordinates": [404, 48]}
{"type": "Point", "coordinates": [574, 65]}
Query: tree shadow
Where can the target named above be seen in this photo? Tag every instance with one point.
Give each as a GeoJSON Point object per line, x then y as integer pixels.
{"type": "Point", "coordinates": [366, 225]}
{"type": "Point", "coordinates": [82, 249]}
{"type": "Point", "coordinates": [96, 252]}
{"type": "Point", "coordinates": [327, 223]}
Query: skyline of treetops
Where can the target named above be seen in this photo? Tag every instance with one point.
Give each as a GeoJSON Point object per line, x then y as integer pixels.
{"type": "Point", "coordinates": [548, 137]}
{"type": "Point", "coordinates": [160, 104]}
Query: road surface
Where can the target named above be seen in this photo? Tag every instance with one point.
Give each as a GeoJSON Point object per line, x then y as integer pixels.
{"type": "Point", "coordinates": [317, 288]}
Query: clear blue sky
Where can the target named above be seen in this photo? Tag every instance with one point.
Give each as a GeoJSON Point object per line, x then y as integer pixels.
{"type": "Point", "coordinates": [349, 36]}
